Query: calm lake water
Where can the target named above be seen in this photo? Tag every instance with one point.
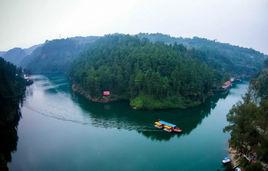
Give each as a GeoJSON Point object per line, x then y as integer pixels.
{"type": "Point", "coordinates": [60, 130]}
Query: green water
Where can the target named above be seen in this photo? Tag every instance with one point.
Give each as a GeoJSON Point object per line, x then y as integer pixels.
{"type": "Point", "coordinates": [60, 130]}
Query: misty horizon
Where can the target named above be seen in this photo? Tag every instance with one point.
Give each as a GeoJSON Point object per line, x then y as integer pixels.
{"type": "Point", "coordinates": [60, 37]}
{"type": "Point", "coordinates": [240, 23]}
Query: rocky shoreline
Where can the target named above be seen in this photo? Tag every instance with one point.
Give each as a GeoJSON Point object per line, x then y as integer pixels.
{"type": "Point", "coordinates": [82, 92]}
{"type": "Point", "coordinates": [235, 159]}
{"type": "Point", "coordinates": [234, 156]}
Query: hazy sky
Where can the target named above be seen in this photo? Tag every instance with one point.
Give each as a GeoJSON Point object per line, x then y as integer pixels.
{"type": "Point", "coordinates": [24, 23]}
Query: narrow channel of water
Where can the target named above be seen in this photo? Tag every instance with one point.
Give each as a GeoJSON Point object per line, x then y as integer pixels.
{"type": "Point", "coordinates": [60, 130]}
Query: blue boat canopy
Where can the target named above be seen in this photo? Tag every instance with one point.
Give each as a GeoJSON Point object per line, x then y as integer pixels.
{"type": "Point", "coordinates": [166, 123]}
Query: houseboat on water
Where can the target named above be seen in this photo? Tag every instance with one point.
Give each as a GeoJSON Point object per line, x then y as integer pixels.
{"type": "Point", "coordinates": [169, 127]}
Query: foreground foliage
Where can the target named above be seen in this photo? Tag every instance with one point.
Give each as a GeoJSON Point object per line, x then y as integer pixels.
{"type": "Point", "coordinates": [12, 83]}
{"type": "Point", "coordinates": [12, 87]}
{"type": "Point", "coordinates": [249, 123]}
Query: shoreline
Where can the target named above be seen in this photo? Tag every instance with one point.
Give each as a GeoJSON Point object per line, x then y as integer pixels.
{"type": "Point", "coordinates": [234, 157]}
{"type": "Point", "coordinates": [82, 92]}
{"type": "Point", "coordinates": [77, 89]}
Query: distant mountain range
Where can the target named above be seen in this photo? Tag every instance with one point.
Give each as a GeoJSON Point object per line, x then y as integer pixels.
{"type": "Point", "coordinates": [51, 56]}
{"type": "Point", "coordinates": [16, 55]}
{"type": "Point", "coordinates": [57, 55]}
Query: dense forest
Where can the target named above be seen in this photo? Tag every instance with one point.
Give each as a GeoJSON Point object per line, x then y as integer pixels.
{"type": "Point", "coordinates": [226, 58]}
{"type": "Point", "coordinates": [12, 87]}
{"type": "Point", "coordinates": [150, 75]}
{"type": "Point", "coordinates": [249, 124]}
{"type": "Point", "coordinates": [12, 81]}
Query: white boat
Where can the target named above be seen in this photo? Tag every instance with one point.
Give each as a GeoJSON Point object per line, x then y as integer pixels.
{"type": "Point", "coordinates": [226, 160]}
{"type": "Point", "coordinates": [237, 169]}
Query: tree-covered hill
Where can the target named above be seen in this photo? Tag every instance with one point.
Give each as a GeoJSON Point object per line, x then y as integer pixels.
{"type": "Point", "coordinates": [249, 124]}
{"type": "Point", "coordinates": [224, 57]}
{"type": "Point", "coordinates": [56, 55]}
{"type": "Point", "coordinates": [150, 75]}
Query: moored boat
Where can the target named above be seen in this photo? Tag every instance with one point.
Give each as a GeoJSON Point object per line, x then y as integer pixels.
{"type": "Point", "coordinates": [226, 160]}
{"type": "Point", "coordinates": [158, 125]}
{"type": "Point", "coordinates": [227, 85]}
{"type": "Point", "coordinates": [167, 126]}
{"type": "Point", "coordinates": [177, 130]}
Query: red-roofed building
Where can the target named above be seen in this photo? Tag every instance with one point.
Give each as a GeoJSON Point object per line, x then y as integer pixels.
{"type": "Point", "coordinates": [106, 93]}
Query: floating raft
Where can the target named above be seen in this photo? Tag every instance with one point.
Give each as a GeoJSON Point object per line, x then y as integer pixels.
{"type": "Point", "coordinates": [166, 126]}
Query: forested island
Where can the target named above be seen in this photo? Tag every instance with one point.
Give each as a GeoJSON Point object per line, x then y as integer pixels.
{"type": "Point", "coordinates": [12, 88]}
{"type": "Point", "coordinates": [248, 125]}
{"type": "Point", "coordinates": [149, 75]}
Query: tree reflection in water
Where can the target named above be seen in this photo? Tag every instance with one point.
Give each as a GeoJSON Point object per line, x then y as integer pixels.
{"type": "Point", "coordinates": [120, 115]}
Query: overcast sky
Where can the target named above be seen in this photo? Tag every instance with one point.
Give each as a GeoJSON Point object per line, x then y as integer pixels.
{"type": "Point", "coordinates": [24, 23]}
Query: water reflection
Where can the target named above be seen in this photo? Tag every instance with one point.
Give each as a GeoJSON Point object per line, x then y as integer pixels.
{"type": "Point", "coordinates": [120, 115]}
{"type": "Point", "coordinates": [89, 132]}
{"type": "Point", "coordinates": [59, 102]}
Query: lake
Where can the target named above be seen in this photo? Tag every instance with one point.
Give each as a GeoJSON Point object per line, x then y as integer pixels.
{"type": "Point", "coordinates": [60, 130]}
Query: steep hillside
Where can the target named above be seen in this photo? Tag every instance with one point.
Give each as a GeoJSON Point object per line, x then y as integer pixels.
{"type": "Point", "coordinates": [29, 50]}
{"type": "Point", "coordinates": [17, 55]}
{"type": "Point", "coordinates": [14, 55]}
{"type": "Point", "coordinates": [222, 56]}
{"type": "Point", "coordinates": [56, 55]}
